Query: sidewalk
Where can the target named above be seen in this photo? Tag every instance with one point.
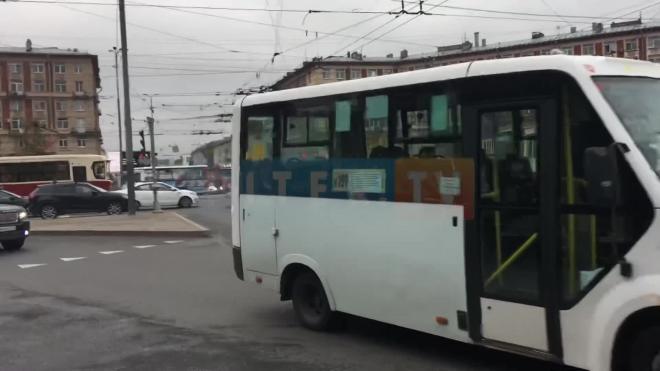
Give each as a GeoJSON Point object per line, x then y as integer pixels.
{"type": "Point", "coordinates": [168, 223]}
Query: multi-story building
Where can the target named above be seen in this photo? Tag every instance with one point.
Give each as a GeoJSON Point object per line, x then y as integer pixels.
{"type": "Point", "coordinates": [633, 39]}
{"type": "Point", "coordinates": [217, 152]}
{"type": "Point", "coordinates": [48, 101]}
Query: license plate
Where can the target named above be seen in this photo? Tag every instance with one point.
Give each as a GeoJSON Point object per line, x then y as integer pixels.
{"type": "Point", "coordinates": [7, 229]}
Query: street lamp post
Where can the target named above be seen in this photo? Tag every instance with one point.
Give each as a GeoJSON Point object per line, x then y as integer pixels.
{"type": "Point", "coordinates": [116, 51]}
{"type": "Point", "coordinates": [150, 122]}
{"type": "Point", "coordinates": [130, 184]}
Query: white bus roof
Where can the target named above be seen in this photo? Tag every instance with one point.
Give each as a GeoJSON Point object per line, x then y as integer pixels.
{"type": "Point", "coordinates": [573, 65]}
{"type": "Point", "coordinates": [19, 159]}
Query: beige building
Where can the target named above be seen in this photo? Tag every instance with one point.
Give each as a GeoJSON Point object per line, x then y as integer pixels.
{"type": "Point", "coordinates": [48, 101]}
{"type": "Point", "coordinates": [633, 39]}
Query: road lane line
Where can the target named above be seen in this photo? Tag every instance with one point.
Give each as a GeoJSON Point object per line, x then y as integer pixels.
{"type": "Point", "coordinates": [172, 242]}
{"type": "Point", "coordinates": [27, 266]}
{"type": "Point", "coordinates": [143, 246]}
{"type": "Point", "coordinates": [111, 252]}
{"type": "Point", "coordinates": [73, 259]}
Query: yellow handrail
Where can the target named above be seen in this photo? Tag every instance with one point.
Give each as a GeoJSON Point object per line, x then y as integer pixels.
{"type": "Point", "coordinates": [512, 258]}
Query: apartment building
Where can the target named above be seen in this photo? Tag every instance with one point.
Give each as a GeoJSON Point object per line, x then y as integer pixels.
{"type": "Point", "coordinates": [632, 39]}
{"type": "Point", "coordinates": [48, 101]}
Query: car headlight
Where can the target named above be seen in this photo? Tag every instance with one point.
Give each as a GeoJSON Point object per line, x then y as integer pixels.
{"type": "Point", "coordinates": [22, 215]}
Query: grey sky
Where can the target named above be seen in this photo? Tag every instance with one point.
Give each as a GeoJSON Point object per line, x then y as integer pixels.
{"type": "Point", "coordinates": [188, 50]}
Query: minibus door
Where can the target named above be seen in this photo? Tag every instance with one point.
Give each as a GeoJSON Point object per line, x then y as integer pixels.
{"type": "Point", "coordinates": [511, 249]}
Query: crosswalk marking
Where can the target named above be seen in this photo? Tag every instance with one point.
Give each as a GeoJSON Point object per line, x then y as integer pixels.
{"type": "Point", "coordinates": [173, 242]}
{"type": "Point", "coordinates": [143, 246]}
{"type": "Point", "coordinates": [111, 252]}
{"type": "Point", "coordinates": [27, 266]}
{"type": "Point", "coordinates": [73, 259]}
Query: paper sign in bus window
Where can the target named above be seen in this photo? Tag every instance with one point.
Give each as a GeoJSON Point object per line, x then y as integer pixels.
{"type": "Point", "coordinates": [450, 186]}
{"type": "Point", "coordinates": [358, 180]}
{"type": "Point", "coordinates": [343, 116]}
{"type": "Point", "coordinates": [439, 113]}
{"type": "Point", "coordinates": [377, 107]}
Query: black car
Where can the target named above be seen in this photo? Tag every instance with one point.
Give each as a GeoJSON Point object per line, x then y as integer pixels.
{"type": "Point", "coordinates": [8, 198]}
{"type": "Point", "coordinates": [14, 227]}
{"type": "Point", "coordinates": [51, 200]}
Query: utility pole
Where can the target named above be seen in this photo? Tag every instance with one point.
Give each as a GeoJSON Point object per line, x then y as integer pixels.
{"type": "Point", "coordinates": [121, 149]}
{"type": "Point", "coordinates": [130, 184]}
{"type": "Point", "coordinates": [150, 122]}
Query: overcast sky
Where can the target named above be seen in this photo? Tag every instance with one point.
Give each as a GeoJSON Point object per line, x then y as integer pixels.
{"type": "Point", "coordinates": [204, 50]}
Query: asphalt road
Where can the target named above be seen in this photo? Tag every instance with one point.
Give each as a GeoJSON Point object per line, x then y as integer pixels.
{"type": "Point", "coordinates": [165, 304]}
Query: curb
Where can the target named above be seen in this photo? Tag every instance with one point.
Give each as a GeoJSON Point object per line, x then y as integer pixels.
{"type": "Point", "coordinates": [201, 233]}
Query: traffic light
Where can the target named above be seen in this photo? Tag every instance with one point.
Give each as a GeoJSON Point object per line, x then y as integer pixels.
{"type": "Point", "coordinates": [144, 148]}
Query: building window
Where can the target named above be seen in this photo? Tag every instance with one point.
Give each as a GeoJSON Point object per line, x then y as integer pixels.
{"type": "Point", "coordinates": [372, 72]}
{"type": "Point", "coordinates": [588, 49]}
{"type": "Point", "coordinates": [356, 74]}
{"type": "Point", "coordinates": [82, 142]}
{"type": "Point", "coordinates": [79, 86]}
{"type": "Point", "coordinates": [16, 87]}
{"type": "Point", "coordinates": [37, 68]}
{"type": "Point", "coordinates": [43, 123]}
{"type": "Point", "coordinates": [79, 106]}
{"type": "Point", "coordinates": [326, 74]}
{"type": "Point", "coordinates": [16, 107]}
{"type": "Point", "coordinates": [39, 105]}
{"type": "Point", "coordinates": [62, 123]}
{"type": "Point", "coordinates": [16, 124]}
{"type": "Point", "coordinates": [15, 68]}
{"type": "Point", "coordinates": [64, 142]}
{"type": "Point", "coordinates": [387, 71]}
{"type": "Point", "coordinates": [609, 48]}
{"type": "Point", "coordinates": [340, 74]}
{"type": "Point", "coordinates": [38, 86]}
{"type": "Point", "coordinates": [60, 106]}
{"type": "Point", "coordinates": [567, 50]}
{"type": "Point", "coordinates": [631, 45]}
{"type": "Point", "coordinates": [60, 68]}
{"type": "Point", "coordinates": [654, 42]}
{"type": "Point", "coordinates": [60, 86]}
{"type": "Point", "coordinates": [77, 69]}
{"type": "Point", "coordinates": [411, 68]}
{"type": "Point", "coordinates": [81, 124]}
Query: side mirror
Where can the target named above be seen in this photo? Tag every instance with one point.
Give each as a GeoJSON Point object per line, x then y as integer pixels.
{"type": "Point", "coordinates": [95, 193]}
{"type": "Point", "coordinates": [602, 176]}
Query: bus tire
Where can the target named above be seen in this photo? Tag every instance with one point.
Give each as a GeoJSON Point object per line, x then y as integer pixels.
{"type": "Point", "coordinates": [644, 354]}
{"type": "Point", "coordinates": [185, 202]}
{"type": "Point", "coordinates": [13, 245]}
{"type": "Point", "coordinates": [48, 211]}
{"type": "Point", "coordinates": [311, 303]}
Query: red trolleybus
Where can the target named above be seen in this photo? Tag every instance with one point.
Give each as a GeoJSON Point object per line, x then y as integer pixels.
{"type": "Point", "coordinates": [22, 174]}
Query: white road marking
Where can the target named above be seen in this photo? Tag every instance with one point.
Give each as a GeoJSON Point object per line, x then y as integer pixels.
{"type": "Point", "coordinates": [26, 266]}
{"type": "Point", "coordinates": [111, 252]}
{"type": "Point", "coordinates": [73, 259]}
{"type": "Point", "coordinates": [173, 242]}
{"type": "Point", "coordinates": [143, 246]}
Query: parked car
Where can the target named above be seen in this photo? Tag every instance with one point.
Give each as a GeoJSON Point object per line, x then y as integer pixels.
{"type": "Point", "coordinates": [14, 227]}
{"type": "Point", "coordinates": [168, 196]}
{"type": "Point", "coordinates": [51, 200]}
{"type": "Point", "coordinates": [8, 198]}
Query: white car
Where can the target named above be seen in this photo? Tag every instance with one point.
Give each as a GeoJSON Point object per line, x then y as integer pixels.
{"type": "Point", "coordinates": [168, 196]}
